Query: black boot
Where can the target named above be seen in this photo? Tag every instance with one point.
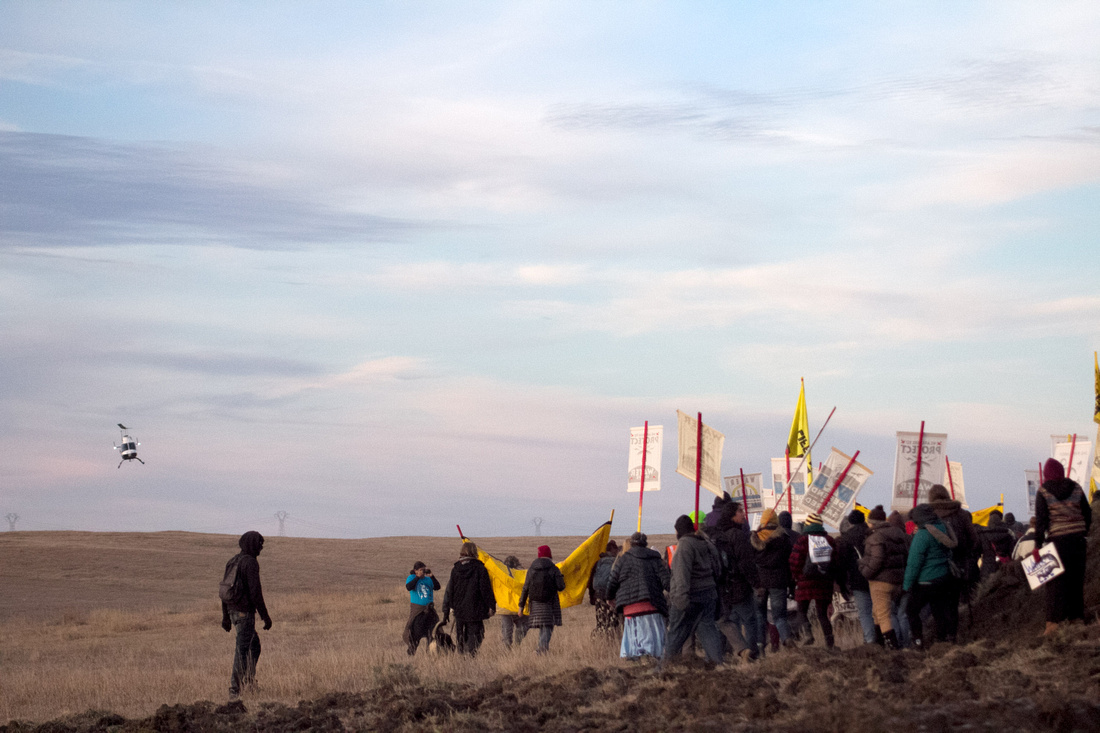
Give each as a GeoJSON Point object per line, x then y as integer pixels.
{"type": "Point", "coordinates": [890, 639]}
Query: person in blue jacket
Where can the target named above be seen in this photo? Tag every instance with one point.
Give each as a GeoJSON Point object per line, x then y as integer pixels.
{"type": "Point", "coordinates": [421, 585]}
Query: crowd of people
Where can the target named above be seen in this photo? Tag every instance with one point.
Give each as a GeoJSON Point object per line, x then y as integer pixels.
{"type": "Point", "coordinates": [727, 587]}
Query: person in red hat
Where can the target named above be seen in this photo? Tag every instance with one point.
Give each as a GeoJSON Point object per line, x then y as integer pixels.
{"type": "Point", "coordinates": [1063, 518]}
{"type": "Point", "coordinates": [541, 587]}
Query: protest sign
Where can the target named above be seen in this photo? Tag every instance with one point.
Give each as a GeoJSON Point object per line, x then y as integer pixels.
{"type": "Point", "coordinates": [793, 501]}
{"type": "Point", "coordinates": [1048, 567]}
{"type": "Point", "coordinates": [652, 459]}
{"type": "Point", "coordinates": [713, 442]}
{"type": "Point", "coordinates": [752, 496]}
{"type": "Point", "coordinates": [1081, 448]}
{"type": "Point", "coordinates": [932, 451]}
{"type": "Point", "coordinates": [1031, 485]}
{"type": "Point", "coordinates": [831, 500]}
{"type": "Point", "coordinates": [953, 480]}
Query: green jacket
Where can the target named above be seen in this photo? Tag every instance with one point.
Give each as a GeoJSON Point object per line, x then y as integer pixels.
{"type": "Point", "coordinates": [928, 555]}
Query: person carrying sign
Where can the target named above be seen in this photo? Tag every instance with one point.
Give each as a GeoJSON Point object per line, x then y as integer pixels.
{"type": "Point", "coordinates": [812, 565]}
{"type": "Point", "coordinates": [1063, 518]}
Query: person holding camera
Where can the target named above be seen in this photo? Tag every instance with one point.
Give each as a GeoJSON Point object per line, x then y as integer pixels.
{"type": "Point", "coordinates": [421, 585]}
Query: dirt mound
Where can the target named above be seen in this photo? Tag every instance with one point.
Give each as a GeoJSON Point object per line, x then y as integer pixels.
{"type": "Point", "coordinates": [1052, 684]}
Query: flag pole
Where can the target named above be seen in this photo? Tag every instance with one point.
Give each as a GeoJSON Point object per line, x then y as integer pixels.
{"type": "Point", "coordinates": [837, 483]}
{"type": "Point", "coordinates": [920, 460]}
{"type": "Point", "coordinates": [460, 532]}
{"type": "Point", "coordinates": [698, 467]}
{"type": "Point", "coordinates": [1072, 447]}
{"type": "Point", "coordinates": [804, 456]}
{"type": "Point", "coordinates": [641, 489]}
{"type": "Point", "coordinates": [950, 478]}
{"type": "Point", "coordinates": [790, 508]}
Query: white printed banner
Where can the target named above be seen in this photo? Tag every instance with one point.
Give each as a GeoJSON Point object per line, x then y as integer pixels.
{"type": "Point", "coordinates": [953, 480]}
{"type": "Point", "coordinates": [832, 505]}
{"type": "Point", "coordinates": [655, 441]}
{"type": "Point", "coordinates": [933, 451]}
{"type": "Point", "coordinates": [798, 487]}
{"type": "Point", "coordinates": [752, 498]}
{"type": "Point", "coordinates": [713, 441]}
{"type": "Point", "coordinates": [1049, 566]}
{"type": "Point", "coordinates": [1031, 482]}
{"type": "Point", "coordinates": [1081, 451]}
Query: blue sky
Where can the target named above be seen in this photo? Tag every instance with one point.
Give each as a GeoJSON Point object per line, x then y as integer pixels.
{"type": "Point", "coordinates": [395, 266]}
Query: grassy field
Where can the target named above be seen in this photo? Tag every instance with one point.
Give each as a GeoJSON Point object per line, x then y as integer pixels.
{"type": "Point", "coordinates": [129, 621]}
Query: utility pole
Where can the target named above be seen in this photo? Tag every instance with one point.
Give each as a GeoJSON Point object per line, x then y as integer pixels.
{"type": "Point", "coordinates": [538, 526]}
{"type": "Point", "coordinates": [281, 516]}
{"type": "Point", "coordinates": [12, 518]}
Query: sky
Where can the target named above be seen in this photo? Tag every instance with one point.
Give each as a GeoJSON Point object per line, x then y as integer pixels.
{"type": "Point", "coordinates": [392, 267]}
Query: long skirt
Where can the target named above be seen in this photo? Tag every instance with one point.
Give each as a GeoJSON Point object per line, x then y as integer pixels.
{"type": "Point", "coordinates": [643, 635]}
{"type": "Point", "coordinates": [422, 619]}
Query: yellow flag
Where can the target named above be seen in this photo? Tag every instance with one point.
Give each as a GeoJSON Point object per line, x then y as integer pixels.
{"type": "Point", "coordinates": [981, 517]}
{"type": "Point", "coordinates": [508, 584]}
{"type": "Point", "coordinates": [798, 442]}
{"type": "Point", "coordinates": [863, 510]}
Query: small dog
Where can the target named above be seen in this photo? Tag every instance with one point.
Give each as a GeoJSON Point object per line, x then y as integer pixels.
{"type": "Point", "coordinates": [441, 642]}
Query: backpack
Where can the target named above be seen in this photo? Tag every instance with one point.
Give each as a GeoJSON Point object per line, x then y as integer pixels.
{"type": "Point", "coordinates": [601, 575]}
{"type": "Point", "coordinates": [819, 554]}
{"type": "Point", "coordinates": [232, 587]}
{"type": "Point", "coordinates": [543, 588]}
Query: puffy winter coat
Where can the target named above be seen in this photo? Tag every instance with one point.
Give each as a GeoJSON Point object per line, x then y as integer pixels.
{"type": "Point", "coordinates": [885, 553]}
{"type": "Point", "coordinates": [639, 574]}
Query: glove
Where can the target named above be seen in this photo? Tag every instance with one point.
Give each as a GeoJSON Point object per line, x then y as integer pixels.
{"type": "Point", "coordinates": [227, 624]}
{"type": "Point", "coordinates": [267, 624]}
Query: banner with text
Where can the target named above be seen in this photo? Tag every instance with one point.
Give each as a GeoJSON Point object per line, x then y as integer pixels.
{"type": "Point", "coordinates": [713, 441]}
{"type": "Point", "coordinates": [753, 496]}
{"type": "Point", "coordinates": [1082, 451]}
{"type": "Point", "coordinates": [798, 487]}
{"type": "Point", "coordinates": [932, 468]}
{"type": "Point", "coordinates": [655, 440]}
{"type": "Point", "coordinates": [953, 480]}
{"type": "Point", "coordinates": [1031, 485]}
{"type": "Point", "coordinates": [837, 503]}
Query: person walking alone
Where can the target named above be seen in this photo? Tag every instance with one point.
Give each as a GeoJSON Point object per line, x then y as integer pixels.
{"type": "Point", "coordinates": [242, 598]}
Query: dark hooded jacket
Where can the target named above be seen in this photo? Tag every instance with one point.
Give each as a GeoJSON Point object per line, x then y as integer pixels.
{"type": "Point", "coordinates": [1047, 524]}
{"type": "Point", "coordinates": [469, 592]}
{"type": "Point", "coordinates": [851, 547]}
{"type": "Point", "coordinates": [773, 557]}
{"type": "Point", "coordinates": [252, 600]}
{"type": "Point", "coordinates": [997, 542]}
{"type": "Point", "coordinates": [952, 515]}
{"type": "Point", "coordinates": [740, 576]}
{"type": "Point", "coordinates": [639, 574]}
{"type": "Point", "coordinates": [885, 553]}
{"type": "Point", "coordinates": [696, 568]}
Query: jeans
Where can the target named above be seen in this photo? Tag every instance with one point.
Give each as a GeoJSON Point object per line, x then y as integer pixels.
{"type": "Point", "coordinates": [776, 600]}
{"type": "Point", "coordinates": [545, 632]}
{"type": "Point", "coordinates": [698, 616]}
{"type": "Point", "coordinates": [866, 617]}
{"type": "Point", "coordinates": [245, 653]}
{"type": "Point", "coordinates": [740, 626]}
{"type": "Point", "coordinates": [512, 629]}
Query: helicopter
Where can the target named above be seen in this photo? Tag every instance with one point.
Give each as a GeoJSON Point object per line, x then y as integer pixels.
{"type": "Point", "coordinates": [128, 449]}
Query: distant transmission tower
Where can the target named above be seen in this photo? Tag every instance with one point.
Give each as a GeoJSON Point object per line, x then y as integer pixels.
{"type": "Point", "coordinates": [12, 519]}
{"type": "Point", "coordinates": [281, 516]}
{"type": "Point", "coordinates": [538, 526]}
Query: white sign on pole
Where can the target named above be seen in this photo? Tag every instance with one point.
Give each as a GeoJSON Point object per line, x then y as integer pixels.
{"type": "Point", "coordinates": [953, 480]}
{"type": "Point", "coordinates": [754, 497]}
{"type": "Point", "coordinates": [1031, 481]}
{"type": "Point", "coordinates": [1081, 450]}
{"type": "Point", "coordinates": [652, 459]}
{"type": "Point", "coordinates": [1049, 566]}
{"type": "Point", "coordinates": [840, 502]}
{"type": "Point", "coordinates": [932, 468]}
{"type": "Point", "coordinates": [687, 436]}
{"type": "Point", "coordinates": [798, 487]}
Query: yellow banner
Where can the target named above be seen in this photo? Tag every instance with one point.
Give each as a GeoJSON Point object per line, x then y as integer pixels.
{"type": "Point", "coordinates": [981, 517]}
{"type": "Point", "coordinates": [508, 584]}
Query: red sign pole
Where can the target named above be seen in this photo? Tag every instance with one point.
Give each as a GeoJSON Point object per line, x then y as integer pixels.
{"type": "Point", "coordinates": [641, 489]}
{"type": "Point", "coordinates": [950, 478]}
{"type": "Point", "coordinates": [698, 468]}
{"type": "Point", "coordinates": [787, 490]}
{"type": "Point", "coordinates": [1072, 447]}
{"type": "Point", "coordinates": [744, 496]}
{"type": "Point", "coordinates": [837, 483]}
{"type": "Point", "coordinates": [460, 532]}
{"type": "Point", "coordinates": [920, 460]}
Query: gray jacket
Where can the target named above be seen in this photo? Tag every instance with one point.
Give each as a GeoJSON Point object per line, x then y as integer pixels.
{"type": "Point", "coordinates": [696, 567]}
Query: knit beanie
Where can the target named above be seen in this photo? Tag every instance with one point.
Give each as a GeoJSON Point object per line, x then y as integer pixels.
{"type": "Point", "coordinates": [1053, 469]}
{"type": "Point", "coordinates": [877, 514]}
{"type": "Point", "coordinates": [856, 517]}
{"type": "Point", "coordinates": [812, 518]}
{"type": "Point", "coordinates": [938, 492]}
{"type": "Point", "coordinates": [544, 551]}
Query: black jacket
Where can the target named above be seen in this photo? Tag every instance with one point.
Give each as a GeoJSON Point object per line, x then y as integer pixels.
{"type": "Point", "coordinates": [851, 547]}
{"type": "Point", "coordinates": [469, 592]}
{"type": "Point", "coordinates": [773, 559]}
{"type": "Point", "coordinates": [740, 563]}
{"type": "Point", "coordinates": [252, 601]}
{"type": "Point", "coordinates": [640, 574]}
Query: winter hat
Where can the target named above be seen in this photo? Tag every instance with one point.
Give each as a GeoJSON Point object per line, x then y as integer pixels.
{"type": "Point", "coordinates": [1053, 469]}
{"type": "Point", "coordinates": [938, 492]}
{"type": "Point", "coordinates": [785, 520]}
{"type": "Point", "coordinates": [638, 539]}
{"type": "Point", "coordinates": [544, 551]}
{"type": "Point", "coordinates": [684, 525]}
{"type": "Point", "coordinates": [812, 518]}
{"type": "Point", "coordinates": [922, 514]}
{"type": "Point", "coordinates": [896, 519]}
{"type": "Point", "coordinates": [878, 514]}
{"type": "Point", "coordinates": [856, 517]}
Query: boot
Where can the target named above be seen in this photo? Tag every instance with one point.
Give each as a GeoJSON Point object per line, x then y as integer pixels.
{"type": "Point", "coordinates": [880, 638]}
{"type": "Point", "coordinates": [890, 639]}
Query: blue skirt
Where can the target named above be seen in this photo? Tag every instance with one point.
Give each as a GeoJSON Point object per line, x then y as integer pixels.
{"type": "Point", "coordinates": [643, 635]}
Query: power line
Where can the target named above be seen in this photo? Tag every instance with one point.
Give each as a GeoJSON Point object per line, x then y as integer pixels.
{"type": "Point", "coordinates": [12, 518]}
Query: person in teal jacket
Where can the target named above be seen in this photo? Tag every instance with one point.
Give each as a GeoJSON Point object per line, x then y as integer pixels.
{"type": "Point", "coordinates": [928, 573]}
